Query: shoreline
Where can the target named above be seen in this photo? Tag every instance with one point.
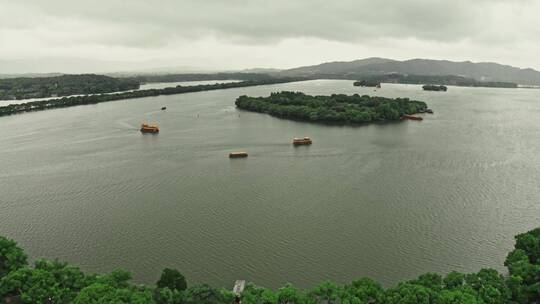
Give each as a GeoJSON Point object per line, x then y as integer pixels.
{"type": "Point", "coordinates": [64, 102]}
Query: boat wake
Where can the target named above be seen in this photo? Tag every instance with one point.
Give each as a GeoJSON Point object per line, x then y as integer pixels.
{"type": "Point", "coordinates": [127, 125]}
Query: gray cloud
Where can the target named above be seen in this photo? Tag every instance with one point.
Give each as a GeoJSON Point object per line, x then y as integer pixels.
{"type": "Point", "coordinates": [258, 21]}
{"type": "Point", "coordinates": [143, 30]}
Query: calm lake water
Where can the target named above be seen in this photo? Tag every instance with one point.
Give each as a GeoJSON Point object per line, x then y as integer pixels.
{"type": "Point", "coordinates": [386, 201]}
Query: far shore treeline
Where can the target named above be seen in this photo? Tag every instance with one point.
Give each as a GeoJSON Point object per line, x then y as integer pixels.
{"type": "Point", "coordinates": [60, 283]}
{"type": "Point", "coordinates": [98, 88]}
{"type": "Point", "coordinates": [98, 98]}
{"type": "Point", "coordinates": [199, 77]}
{"type": "Point", "coordinates": [336, 108]}
{"type": "Point", "coordinates": [63, 85]}
{"type": "Point", "coordinates": [366, 77]}
{"type": "Point", "coordinates": [418, 79]}
{"type": "Point", "coordinates": [18, 88]}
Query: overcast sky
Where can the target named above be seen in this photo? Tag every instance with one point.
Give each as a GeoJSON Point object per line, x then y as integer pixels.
{"type": "Point", "coordinates": [108, 35]}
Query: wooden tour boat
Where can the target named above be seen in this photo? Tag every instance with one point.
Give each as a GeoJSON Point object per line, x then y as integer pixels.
{"type": "Point", "coordinates": [411, 117]}
{"type": "Point", "coordinates": [302, 141]}
{"type": "Point", "coordinates": [148, 128]}
{"type": "Point", "coordinates": [240, 154]}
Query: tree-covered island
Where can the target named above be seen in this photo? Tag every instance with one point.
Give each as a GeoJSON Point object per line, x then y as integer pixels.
{"type": "Point", "coordinates": [338, 108]}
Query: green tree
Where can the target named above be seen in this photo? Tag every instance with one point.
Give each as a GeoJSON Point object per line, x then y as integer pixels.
{"type": "Point", "coordinates": [167, 296]}
{"type": "Point", "coordinates": [289, 294]}
{"type": "Point", "coordinates": [258, 295]}
{"type": "Point", "coordinates": [364, 290]}
{"type": "Point", "coordinates": [518, 292]}
{"type": "Point", "coordinates": [407, 293]}
{"type": "Point", "coordinates": [204, 294]}
{"type": "Point", "coordinates": [490, 286]}
{"type": "Point", "coordinates": [32, 285]}
{"type": "Point", "coordinates": [11, 256]}
{"type": "Point", "coordinates": [100, 293]}
{"type": "Point", "coordinates": [70, 280]}
{"type": "Point", "coordinates": [529, 242]}
{"type": "Point", "coordinates": [518, 263]}
{"type": "Point", "coordinates": [457, 297]}
{"type": "Point", "coordinates": [523, 266]}
{"type": "Point", "coordinates": [118, 278]}
{"type": "Point", "coordinates": [454, 280]}
{"type": "Point", "coordinates": [172, 279]}
{"type": "Point", "coordinates": [430, 280]}
{"type": "Point", "coordinates": [327, 291]}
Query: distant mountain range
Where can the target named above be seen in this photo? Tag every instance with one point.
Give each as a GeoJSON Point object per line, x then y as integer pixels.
{"type": "Point", "coordinates": [482, 71]}
{"type": "Point", "coordinates": [374, 67]}
{"type": "Point", "coordinates": [260, 70]}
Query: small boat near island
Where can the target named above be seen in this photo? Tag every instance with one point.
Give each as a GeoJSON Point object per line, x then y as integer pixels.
{"type": "Point", "coordinates": [239, 154]}
{"type": "Point", "coordinates": [411, 117]}
{"type": "Point", "coordinates": [426, 110]}
{"type": "Point", "coordinates": [302, 141]}
{"type": "Point", "coordinates": [431, 87]}
{"type": "Point", "coordinates": [367, 83]}
{"type": "Point", "coordinates": [149, 128]}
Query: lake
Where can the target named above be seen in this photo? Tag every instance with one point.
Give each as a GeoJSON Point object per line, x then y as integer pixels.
{"type": "Point", "coordinates": [387, 201]}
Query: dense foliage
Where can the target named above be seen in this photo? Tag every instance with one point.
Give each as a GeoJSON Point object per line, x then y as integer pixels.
{"type": "Point", "coordinates": [334, 108]}
{"type": "Point", "coordinates": [432, 87]}
{"type": "Point", "coordinates": [98, 98]}
{"type": "Point", "coordinates": [56, 282]}
{"type": "Point", "coordinates": [172, 279]}
{"type": "Point", "coordinates": [26, 87]}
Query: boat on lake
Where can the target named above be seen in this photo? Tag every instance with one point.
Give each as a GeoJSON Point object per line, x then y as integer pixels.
{"type": "Point", "coordinates": [163, 108]}
{"type": "Point", "coordinates": [367, 83]}
{"type": "Point", "coordinates": [149, 128]}
{"type": "Point", "coordinates": [430, 87]}
{"type": "Point", "coordinates": [411, 117]}
{"type": "Point", "coordinates": [240, 154]}
{"type": "Point", "coordinates": [302, 141]}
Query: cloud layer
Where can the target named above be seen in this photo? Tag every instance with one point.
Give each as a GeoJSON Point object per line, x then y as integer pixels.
{"type": "Point", "coordinates": [233, 34]}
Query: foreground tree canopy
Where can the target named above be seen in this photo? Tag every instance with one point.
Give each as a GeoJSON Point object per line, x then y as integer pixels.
{"type": "Point", "coordinates": [56, 282]}
{"type": "Point", "coordinates": [334, 108]}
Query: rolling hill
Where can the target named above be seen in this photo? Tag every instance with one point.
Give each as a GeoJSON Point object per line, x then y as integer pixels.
{"type": "Point", "coordinates": [482, 71]}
